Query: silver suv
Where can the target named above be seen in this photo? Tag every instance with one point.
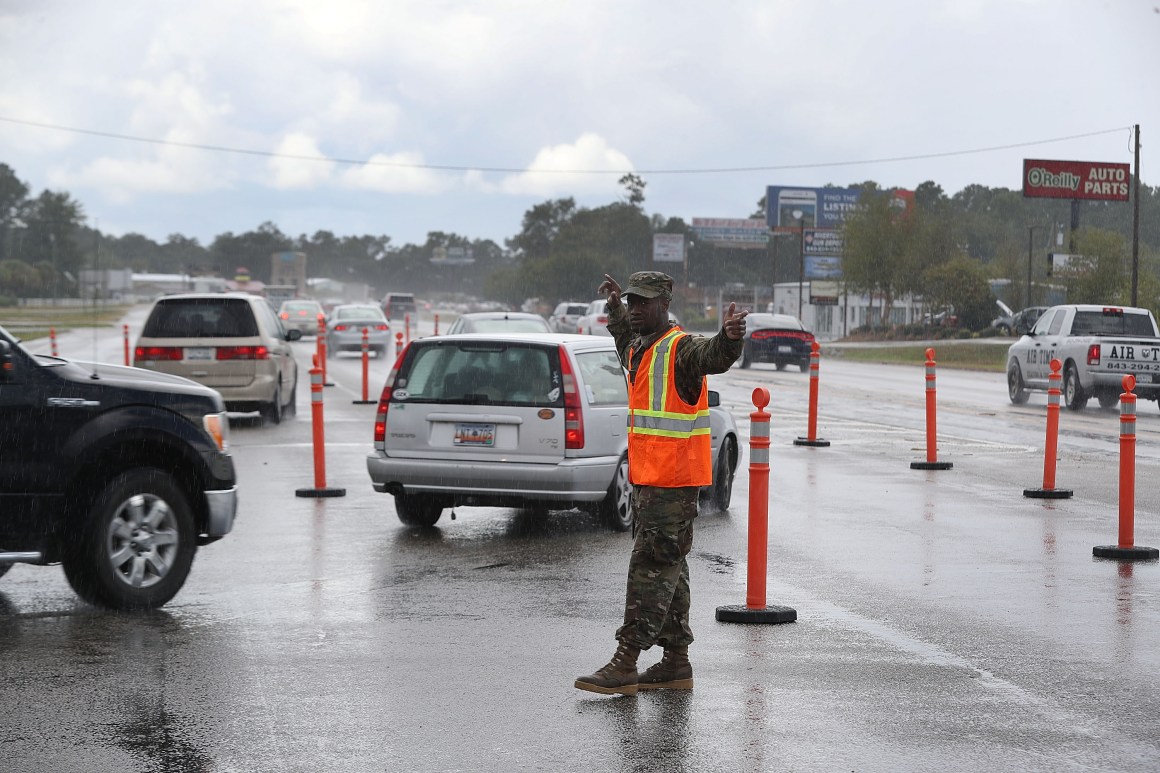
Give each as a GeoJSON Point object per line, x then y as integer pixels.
{"type": "Point", "coordinates": [231, 342]}
{"type": "Point", "coordinates": [516, 420]}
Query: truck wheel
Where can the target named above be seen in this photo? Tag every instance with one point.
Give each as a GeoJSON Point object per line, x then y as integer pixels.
{"type": "Point", "coordinates": [292, 406]}
{"type": "Point", "coordinates": [722, 490]}
{"type": "Point", "coordinates": [1015, 387]}
{"type": "Point", "coordinates": [417, 509]}
{"type": "Point", "coordinates": [137, 543]}
{"type": "Point", "coordinates": [1073, 394]}
{"type": "Point", "coordinates": [272, 411]}
{"type": "Point", "coordinates": [615, 510]}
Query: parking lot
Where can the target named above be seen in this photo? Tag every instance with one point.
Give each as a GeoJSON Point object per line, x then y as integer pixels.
{"type": "Point", "coordinates": [945, 622]}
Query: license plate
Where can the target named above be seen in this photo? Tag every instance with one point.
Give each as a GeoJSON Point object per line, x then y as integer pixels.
{"type": "Point", "coordinates": [199, 352]}
{"type": "Point", "coordinates": [1143, 378]}
{"type": "Point", "coordinates": [785, 349]}
{"type": "Point", "coordinates": [474, 435]}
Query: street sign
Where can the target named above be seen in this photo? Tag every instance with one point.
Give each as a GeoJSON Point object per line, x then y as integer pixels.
{"type": "Point", "coordinates": [669, 248]}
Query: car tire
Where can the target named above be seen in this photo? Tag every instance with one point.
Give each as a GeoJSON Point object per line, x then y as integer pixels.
{"type": "Point", "coordinates": [272, 411]}
{"type": "Point", "coordinates": [292, 406]}
{"type": "Point", "coordinates": [615, 510]}
{"type": "Point", "coordinates": [1016, 390]}
{"type": "Point", "coordinates": [1073, 392]}
{"type": "Point", "coordinates": [805, 365]}
{"type": "Point", "coordinates": [418, 509]}
{"type": "Point", "coordinates": [745, 361]}
{"type": "Point", "coordinates": [1108, 398]}
{"type": "Point", "coordinates": [111, 567]}
{"type": "Point", "coordinates": [722, 489]}
{"type": "Point", "coordinates": [780, 365]}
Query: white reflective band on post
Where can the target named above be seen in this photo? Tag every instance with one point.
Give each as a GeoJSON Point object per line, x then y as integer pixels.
{"type": "Point", "coordinates": [759, 456]}
{"type": "Point", "coordinates": [930, 370]}
{"type": "Point", "coordinates": [1053, 397]}
{"type": "Point", "coordinates": [759, 429]}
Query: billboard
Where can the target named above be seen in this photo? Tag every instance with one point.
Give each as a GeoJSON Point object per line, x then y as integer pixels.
{"type": "Point", "coordinates": [732, 232]}
{"type": "Point", "coordinates": [788, 208]}
{"type": "Point", "coordinates": [669, 248]}
{"type": "Point", "coordinates": [1093, 180]}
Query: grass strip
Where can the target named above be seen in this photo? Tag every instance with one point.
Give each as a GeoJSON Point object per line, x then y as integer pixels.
{"type": "Point", "coordinates": [962, 355]}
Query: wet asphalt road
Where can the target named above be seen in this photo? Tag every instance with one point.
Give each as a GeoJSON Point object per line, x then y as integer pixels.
{"type": "Point", "coordinates": [945, 621]}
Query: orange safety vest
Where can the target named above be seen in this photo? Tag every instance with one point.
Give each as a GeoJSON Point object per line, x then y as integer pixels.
{"type": "Point", "coordinates": [668, 439]}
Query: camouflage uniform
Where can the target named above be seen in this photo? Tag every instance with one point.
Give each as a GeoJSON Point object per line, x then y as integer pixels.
{"type": "Point", "coordinates": [656, 608]}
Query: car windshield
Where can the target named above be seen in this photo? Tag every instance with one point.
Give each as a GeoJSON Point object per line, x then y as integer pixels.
{"type": "Point", "coordinates": [358, 313]}
{"type": "Point", "coordinates": [1102, 323]}
{"type": "Point", "coordinates": [473, 373]}
{"type": "Point", "coordinates": [506, 325]}
{"type": "Point", "coordinates": [201, 318]}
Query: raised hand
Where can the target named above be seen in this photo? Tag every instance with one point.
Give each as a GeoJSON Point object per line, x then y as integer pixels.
{"type": "Point", "coordinates": [734, 326]}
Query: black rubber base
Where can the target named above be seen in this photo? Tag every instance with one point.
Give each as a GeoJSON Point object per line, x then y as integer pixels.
{"type": "Point", "coordinates": [320, 492]}
{"type": "Point", "coordinates": [931, 465]}
{"type": "Point", "coordinates": [1048, 493]}
{"type": "Point", "coordinates": [363, 402]}
{"type": "Point", "coordinates": [816, 443]}
{"type": "Point", "coordinates": [743, 614]}
{"type": "Point", "coordinates": [328, 383]}
{"type": "Point", "coordinates": [1134, 553]}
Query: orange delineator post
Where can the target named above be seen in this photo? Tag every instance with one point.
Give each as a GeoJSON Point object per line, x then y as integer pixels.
{"type": "Point", "coordinates": [52, 340]}
{"type": "Point", "coordinates": [321, 346]}
{"type": "Point", "coordinates": [932, 462]}
{"type": "Point", "coordinates": [755, 609]}
{"type": "Point", "coordinates": [319, 437]}
{"type": "Point", "coordinates": [1127, 549]}
{"type": "Point", "coordinates": [407, 325]}
{"type": "Point", "coordinates": [398, 344]}
{"type": "Point", "coordinates": [127, 361]}
{"type": "Point", "coordinates": [815, 368]}
{"type": "Point", "coordinates": [436, 324]}
{"type": "Point", "coordinates": [1051, 444]}
{"type": "Point", "coordinates": [365, 368]}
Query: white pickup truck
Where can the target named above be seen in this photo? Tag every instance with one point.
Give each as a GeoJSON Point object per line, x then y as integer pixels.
{"type": "Point", "coordinates": [1097, 345]}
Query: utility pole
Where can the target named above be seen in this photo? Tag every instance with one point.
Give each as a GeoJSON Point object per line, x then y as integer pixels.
{"type": "Point", "coordinates": [1136, 223]}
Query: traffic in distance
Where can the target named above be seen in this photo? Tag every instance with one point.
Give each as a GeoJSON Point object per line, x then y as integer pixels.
{"type": "Point", "coordinates": [513, 415]}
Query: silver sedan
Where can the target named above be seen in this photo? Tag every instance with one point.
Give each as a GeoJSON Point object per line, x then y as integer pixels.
{"type": "Point", "coordinates": [344, 329]}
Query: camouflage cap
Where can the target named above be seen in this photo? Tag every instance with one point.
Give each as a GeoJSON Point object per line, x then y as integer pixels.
{"type": "Point", "coordinates": [650, 284]}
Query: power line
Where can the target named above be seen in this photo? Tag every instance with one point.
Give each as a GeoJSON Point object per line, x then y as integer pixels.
{"type": "Point", "coordinates": [515, 170]}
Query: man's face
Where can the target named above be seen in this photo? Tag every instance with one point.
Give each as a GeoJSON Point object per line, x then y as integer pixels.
{"type": "Point", "coordinates": [647, 315]}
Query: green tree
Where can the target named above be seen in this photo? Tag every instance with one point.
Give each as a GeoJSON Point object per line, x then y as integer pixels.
{"type": "Point", "coordinates": [13, 200]}
{"type": "Point", "coordinates": [251, 250]}
{"type": "Point", "coordinates": [18, 279]}
{"type": "Point", "coordinates": [879, 257]}
{"type": "Point", "coordinates": [1099, 272]}
{"type": "Point", "coordinates": [960, 282]}
{"type": "Point", "coordinates": [634, 186]}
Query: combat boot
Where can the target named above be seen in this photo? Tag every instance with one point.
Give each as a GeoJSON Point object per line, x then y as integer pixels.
{"type": "Point", "coordinates": [673, 672]}
{"type": "Point", "coordinates": [616, 678]}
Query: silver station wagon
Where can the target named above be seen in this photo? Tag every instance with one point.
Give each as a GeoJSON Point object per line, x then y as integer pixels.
{"type": "Point", "coordinates": [516, 420]}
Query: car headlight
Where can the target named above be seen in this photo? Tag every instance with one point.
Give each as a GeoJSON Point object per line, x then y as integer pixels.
{"type": "Point", "coordinates": [217, 426]}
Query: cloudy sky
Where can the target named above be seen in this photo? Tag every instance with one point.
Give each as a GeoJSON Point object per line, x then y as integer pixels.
{"type": "Point", "coordinates": [401, 118]}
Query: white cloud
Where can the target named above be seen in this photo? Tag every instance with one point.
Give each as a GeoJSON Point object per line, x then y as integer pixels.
{"type": "Point", "coordinates": [396, 173]}
{"type": "Point", "coordinates": [558, 169]}
{"type": "Point", "coordinates": [299, 172]}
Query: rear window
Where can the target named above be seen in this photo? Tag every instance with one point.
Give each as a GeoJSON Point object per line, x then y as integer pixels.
{"type": "Point", "coordinates": [360, 313]}
{"type": "Point", "coordinates": [577, 309]}
{"type": "Point", "coordinates": [201, 318]}
{"type": "Point", "coordinates": [502, 325]}
{"type": "Point", "coordinates": [480, 373]}
{"type": "Point", "coordinates": [1111, 322]}
{"type": "Point", "coordinates": [400, 298]}
{"type": "Point", "coordinates": [300, 306]}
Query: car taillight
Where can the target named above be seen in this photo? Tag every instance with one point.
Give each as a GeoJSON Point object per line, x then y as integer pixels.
{"type": "Point", "coordinates": [382, 327]}
{"type": "Point", "coordinates": [799, 335]}
{"type": "Point", "coordinates": [302, 312]}
{"type": "Point", "coordinates": [286, 315]}
{"type": "Point", "coordinates": [602, 319]}
{"type": "Point", "coordinates": [157, 353]}
{"type": "Point", "coordinates": [1093, 357]}
{"type": "Point", "coordinates": [243, 353]}
{"type": "Point", "coordinates": [385, 402]}
{"type": "Point", "coordinates": [573, 411]}
{"type": "Point", "coordinates": [340, 328]}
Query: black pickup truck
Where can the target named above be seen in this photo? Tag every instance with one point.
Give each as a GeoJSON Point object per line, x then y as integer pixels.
{"type": "Point", "coordinates": [118, 474]}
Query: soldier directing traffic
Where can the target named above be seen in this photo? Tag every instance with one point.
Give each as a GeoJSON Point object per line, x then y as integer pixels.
{"type": "Point", "coordinates": [669, 460]}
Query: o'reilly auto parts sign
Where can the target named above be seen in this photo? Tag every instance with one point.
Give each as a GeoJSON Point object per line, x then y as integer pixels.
{"type": "Point", "coordinates": [1094, 180]}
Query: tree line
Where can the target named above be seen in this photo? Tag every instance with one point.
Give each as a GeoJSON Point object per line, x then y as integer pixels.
{"type": "Point", "coordinates": [946, 249]}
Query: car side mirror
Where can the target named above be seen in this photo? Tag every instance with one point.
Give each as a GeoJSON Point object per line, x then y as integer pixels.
{"type": "Point", "coordinates": [293, 334]}
{"type": "Point", "coordinates": [714, 398]}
